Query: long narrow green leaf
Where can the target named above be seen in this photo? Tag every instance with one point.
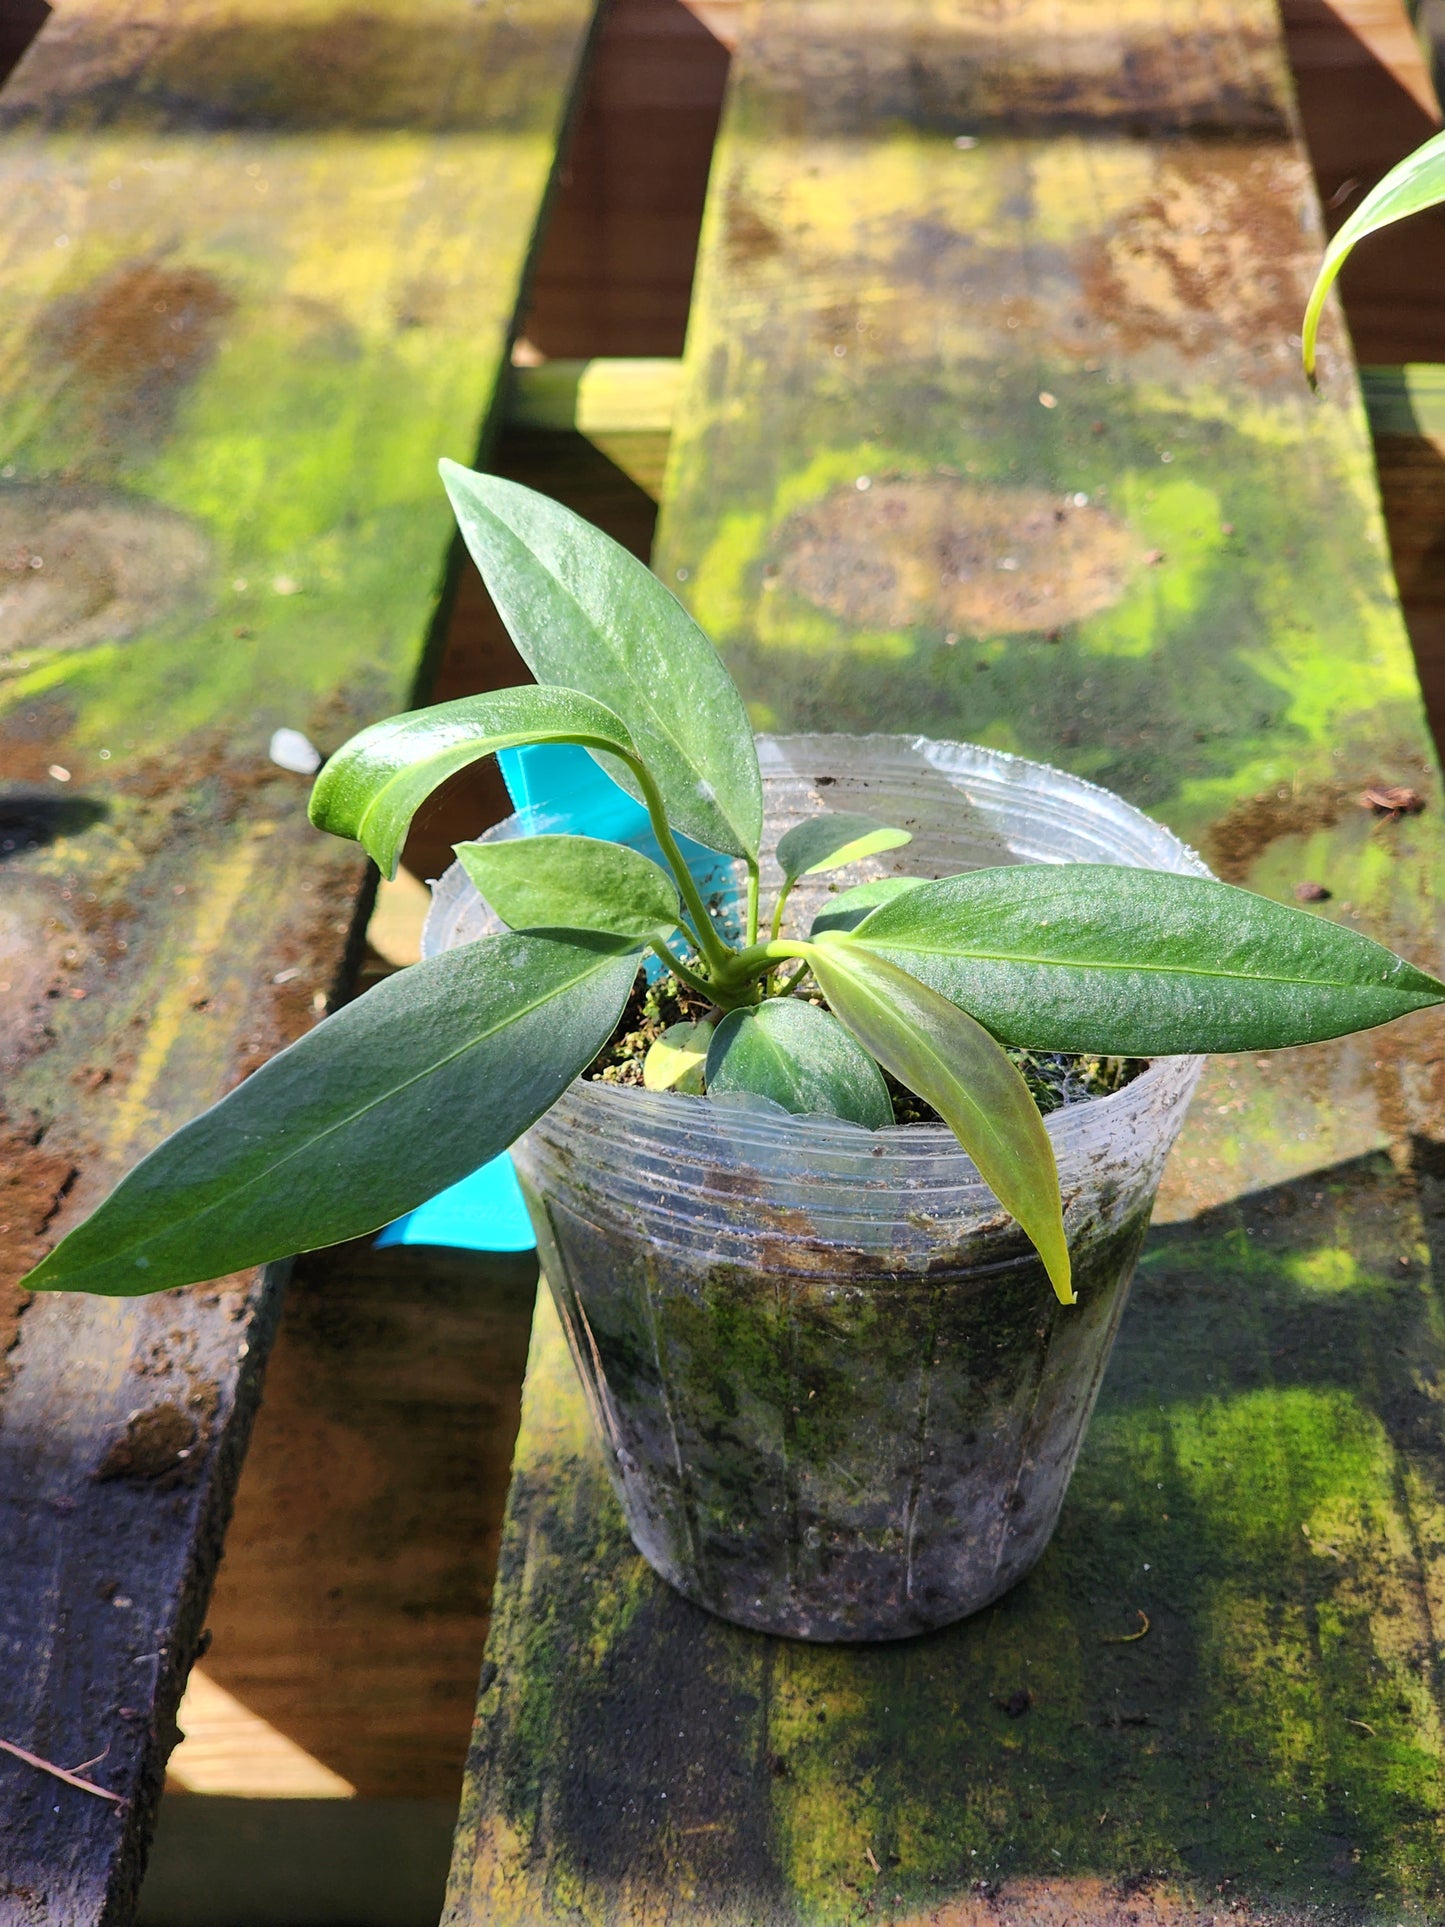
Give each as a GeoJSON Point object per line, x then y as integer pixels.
{"type": "Point", "coordinates": [375, 783]}
{"type": "Point", "coordinates": [951, 1062]}
{"type": "Point", "coordinates": [836, 838]}
{"type": "Point", "coordinates": [1416, 183]}
{"type": "Point", "coordinates": [585, 613]}
{"type": "Point", "coordinates": [1139, 963]}
{"type": "Point", "coordinates": [574, 883]}
{"type": "Point", "coordinates": [801, 1058]}
{"type": "Point", "coordinates": [399, 1094]}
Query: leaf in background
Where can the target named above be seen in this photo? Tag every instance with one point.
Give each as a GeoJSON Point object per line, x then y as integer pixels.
{"type": "Point", "coordinates": [830, 841]}
{"type": "Point", "coordinates": [802, 1059]}
{"type": "Point", "coordinates": [951, 1062]}
{"type": "Point", "coordinates": [401, 1093]}
{"type": "Point", "coordinates": [1139, 963]}
{"type": "Point", "coordinates": [1416, 183]}
{"type": "Point", "coordinates": [677, 1059]}
{"type": "Point", "coordinates": [375, 783]}
{"type": "Point", "coordinates": [585, 613]}
{"type": "Point", "coordinates": [574, 883]}
{"type": "Point", "coordinates": [848, 909]}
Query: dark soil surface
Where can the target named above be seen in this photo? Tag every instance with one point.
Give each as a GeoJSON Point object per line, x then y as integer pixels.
{"type": "Point", "coordinates": [1054, 1078]}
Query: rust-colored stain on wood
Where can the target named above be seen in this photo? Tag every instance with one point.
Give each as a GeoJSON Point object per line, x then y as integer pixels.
{"type": "Point", "coordinates": [1207, 261]}
{"type": "Point", "coordinates": [966, 559]}
{"type": "Point", "coordinates": [81, 565]}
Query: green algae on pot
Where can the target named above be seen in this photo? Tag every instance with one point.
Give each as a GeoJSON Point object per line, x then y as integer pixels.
{"type": "Point", "coordinates": [837, 1396]}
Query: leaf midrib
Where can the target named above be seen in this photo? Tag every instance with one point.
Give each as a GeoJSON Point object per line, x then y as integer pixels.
{"type": "Point", "coordinates": [397, 1090]}
{"type": "Point", "coordinates": [1091, 963]}
{"type": "Point", "coordinates": [659, 727]}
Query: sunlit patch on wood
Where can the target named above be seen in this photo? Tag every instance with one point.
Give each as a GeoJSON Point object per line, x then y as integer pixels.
{"type": "Point", "coordinates": [228, 1748]}
{"type": "Point", "coordinates": [915, 552]}
{"type": "Point", "coordinates": [78, 566]}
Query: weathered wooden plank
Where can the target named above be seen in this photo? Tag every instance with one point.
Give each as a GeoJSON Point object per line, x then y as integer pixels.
{"type": "Point", "coordinates": [260, 264]}
{"type": "Point", "coordinates": [993, 427]}
{"type": "Point", "coordinates": [350, 1609]}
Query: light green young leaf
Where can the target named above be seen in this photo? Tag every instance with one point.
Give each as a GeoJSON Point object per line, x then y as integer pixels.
{"type": "Point", "coordinates": [830, 841]}
{"type": "Point", "coordinates": [952, 1063]}
{"type": "Point", "coordinates": [375, 783]}
{"type": "Point", "coordinates": [1416, 183]}
{"type": "Point", "coordinates": [399, 1094]}
{"type": "Point", "coordinates": [848, 909]}
{"type": "Point", "coordinates": [586, 614]}
{"type": "Point", "coordinates": [574, 883]}
{"type": "Point", "coordinates": [1139, 963]}
{"type": "Point", "coordinates": [802, 1059]}
{"type": "Point", "coordinates": [677, 1060]}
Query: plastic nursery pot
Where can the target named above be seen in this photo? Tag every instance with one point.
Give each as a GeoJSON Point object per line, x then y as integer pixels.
{"type": "Point", "coordinates": [837, 1396]}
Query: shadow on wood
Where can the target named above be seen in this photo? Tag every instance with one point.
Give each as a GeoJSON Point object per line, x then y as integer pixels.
{"type": "Point", "coordinates": [20, 21]}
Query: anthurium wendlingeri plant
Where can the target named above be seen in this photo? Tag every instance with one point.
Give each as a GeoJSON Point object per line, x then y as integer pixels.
{"type": "Point", "coordinates": [413, 1085]}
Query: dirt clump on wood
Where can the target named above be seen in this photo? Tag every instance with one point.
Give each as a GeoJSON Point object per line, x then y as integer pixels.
{"type": "Point", "coordinates": [164, 1444]}
{"type": "Point", "coordinates": [33, 1184]}
{"type": "Point", "coordinates": [1247, 829]}
{"type": "Point", "coordinates": [34, 1181]}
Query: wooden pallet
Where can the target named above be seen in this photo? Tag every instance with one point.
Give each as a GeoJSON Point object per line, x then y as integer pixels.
{"type": "Point", "coordinates": [261, 266]}
{"type": "Point", "coordinates": [959, 265]}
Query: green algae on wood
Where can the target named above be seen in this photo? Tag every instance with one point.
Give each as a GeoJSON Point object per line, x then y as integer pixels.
{"type": "Point", "coordinates": [261, 266]}
{"type": "Point", "coordinates": [957, 267]}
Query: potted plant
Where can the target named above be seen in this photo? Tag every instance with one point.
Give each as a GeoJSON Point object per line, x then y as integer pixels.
{"type": "Point", "coordinates": [841, 1365]}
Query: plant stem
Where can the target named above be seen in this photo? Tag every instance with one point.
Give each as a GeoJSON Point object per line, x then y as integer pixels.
{"type": "Point", "coordinates": [758, 957]}
{"type": "Point", "coordinates": [753, 901]}
{"type": "Point", "coordinates": [717, 952]}
{"type": "Point", "coordinates": [680, 970]}
{"type": "Point", "coordinates": [789, 984]}
{"type": "Point", "coordinates": [778, 909]}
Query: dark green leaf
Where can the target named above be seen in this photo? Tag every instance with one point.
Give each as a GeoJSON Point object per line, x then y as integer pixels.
{"type": "Point", "coordinates": [802, 1059]}
{"type": "Point", "coordinates": [574, 883]}
{"type": "Point", "coordinates": [586, 614]}
{"type": "Point", "coordinates": [374, 784]}
{"type": "Point", "coordinates": [677, 1060]}
{"type": "Point", "coordinates": [1416, 183]}
{"type": "Point", "coordinates": [398, 1095]}
{"type": "Point", "coordinates": [830, 841]}
{"type": "Point", "coordinates": [848, 909]}
{"type": "Point", "coordinates": [951, 1062]}
{"type": "Point", "coordinates": [1139, 963]}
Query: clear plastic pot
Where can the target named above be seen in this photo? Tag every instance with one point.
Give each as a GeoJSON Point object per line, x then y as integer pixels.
{"type": "Point", "coordinates": [837, 1395]}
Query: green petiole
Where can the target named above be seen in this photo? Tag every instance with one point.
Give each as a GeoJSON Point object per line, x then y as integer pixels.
{"type": "Point", "coordinates": [717, 953]}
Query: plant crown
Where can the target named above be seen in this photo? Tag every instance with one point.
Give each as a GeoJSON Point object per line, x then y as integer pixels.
{"type": "Point", "coordinates": [416, 1083]}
